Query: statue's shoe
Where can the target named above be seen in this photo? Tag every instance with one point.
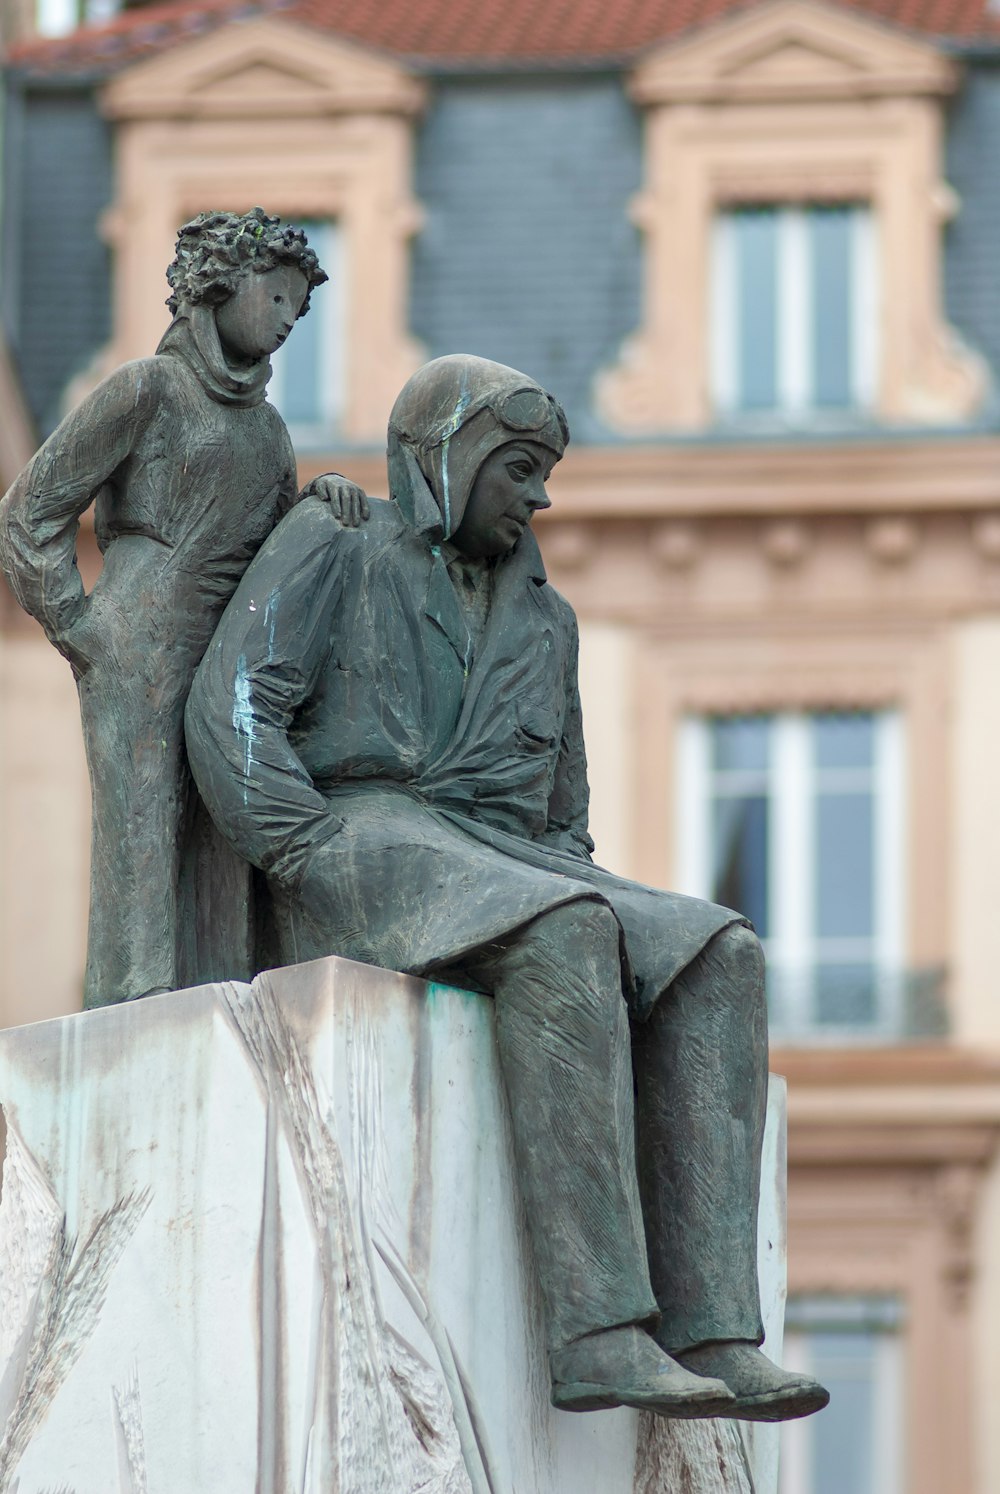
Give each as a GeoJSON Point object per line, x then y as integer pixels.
{"type": "Point", "coordinates": [624, 1367]}
{"type": "Point", "coordinates": [762, 1391]}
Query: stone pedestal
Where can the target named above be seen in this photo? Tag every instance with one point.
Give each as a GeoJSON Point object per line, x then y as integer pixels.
{"type": "Point", "coordinates": [268, 1239]}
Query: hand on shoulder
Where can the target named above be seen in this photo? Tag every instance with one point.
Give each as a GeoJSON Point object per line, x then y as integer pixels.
{"type": "Point", "coordinates": [348, 503]}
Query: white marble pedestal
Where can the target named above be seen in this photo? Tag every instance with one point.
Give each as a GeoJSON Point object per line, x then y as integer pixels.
{"type": "Point", "coordinates": [266, 1240]}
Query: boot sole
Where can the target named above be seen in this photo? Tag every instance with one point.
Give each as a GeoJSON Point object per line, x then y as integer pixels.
{"type": "Point", "coordinates": [583, 1395]}
{"type": "Point", "coordinates": [779, 1406]}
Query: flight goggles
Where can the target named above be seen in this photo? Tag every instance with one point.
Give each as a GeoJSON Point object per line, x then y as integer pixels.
{"type": "Point", "coordinates": [528, 410]}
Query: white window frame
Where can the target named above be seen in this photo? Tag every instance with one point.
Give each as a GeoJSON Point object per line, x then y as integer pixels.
{"type": "Point", "coordinates": [59, 17]}
{"type": "Point", "coordinates": [792, 948]}
{"type": "Point", "coordinates": [793, 334]}
{"type": "Point", "coordinates": [329, 304]}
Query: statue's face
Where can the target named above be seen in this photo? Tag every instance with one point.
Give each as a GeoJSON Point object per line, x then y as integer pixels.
{"type": "Point", "coordinates": [508, 490]}
{"type": "Point", "coordinates": [260, 313]}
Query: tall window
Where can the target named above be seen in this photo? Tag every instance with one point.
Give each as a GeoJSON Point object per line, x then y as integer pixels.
{"type": "Point", "coordinates": [796, 820]}
{"type": "Point", "coordinates": [853, 1346]}
{"type": "Point", "coordinates": [308, 381]}
{"type": "Point", "coordinates": [794, 316]}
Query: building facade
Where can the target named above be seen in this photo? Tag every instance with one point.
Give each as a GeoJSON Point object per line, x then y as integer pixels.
{"type": "Point", "coordinates": [752, 249]}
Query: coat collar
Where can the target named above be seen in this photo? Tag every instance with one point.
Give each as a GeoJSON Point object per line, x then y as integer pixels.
{"type": "Point", "coordinates": [523, 566]}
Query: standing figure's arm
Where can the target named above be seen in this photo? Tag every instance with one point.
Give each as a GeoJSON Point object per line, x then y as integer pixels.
{"type": "Point", "coordinates": [39, 517]}
{"type": "Point", "coordinates": [569, 800]}
{"type": "Point", "coordinates": [259, 668]}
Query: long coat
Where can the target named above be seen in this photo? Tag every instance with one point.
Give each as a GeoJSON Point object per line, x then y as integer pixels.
{"type": "Point", "coordinates": [412, 795]}
{"type": "Point", "coordinates": [191, 469]}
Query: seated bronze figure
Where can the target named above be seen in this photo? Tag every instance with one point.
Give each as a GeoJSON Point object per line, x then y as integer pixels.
{"type": "Point", "coordinates": [387, 723]}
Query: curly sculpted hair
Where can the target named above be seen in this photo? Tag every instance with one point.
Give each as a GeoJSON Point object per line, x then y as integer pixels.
{"type": "Point", "coordinates": [216, 250]}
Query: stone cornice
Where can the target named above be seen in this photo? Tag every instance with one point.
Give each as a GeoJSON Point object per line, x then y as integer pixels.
{"type": "Point", "coordinates": [749, 479]}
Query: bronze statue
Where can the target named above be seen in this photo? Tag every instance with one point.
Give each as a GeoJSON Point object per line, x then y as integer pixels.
{"type": "Point", "coordinates": [190, 468]}
{"type": "Point", "coordinates": [387, 724]}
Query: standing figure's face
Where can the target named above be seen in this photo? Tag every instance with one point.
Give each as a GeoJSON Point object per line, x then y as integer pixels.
{"type": "Point", "coordinates": [509, 489]}
{"type": "Point", "coordinates": [260, 313]}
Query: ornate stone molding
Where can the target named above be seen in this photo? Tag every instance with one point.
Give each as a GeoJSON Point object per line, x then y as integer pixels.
{"type": "Point", "coordinates": [308, 127]}
{"type": "Point", "coordinates": [789, 102]}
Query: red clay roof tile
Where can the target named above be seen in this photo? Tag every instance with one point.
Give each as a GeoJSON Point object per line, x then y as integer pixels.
{"type": "Point", "coordinates": [456, 32]}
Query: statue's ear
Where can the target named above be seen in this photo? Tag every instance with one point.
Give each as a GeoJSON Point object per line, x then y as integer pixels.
{"type": "Point", "coordinates": [411, 490]}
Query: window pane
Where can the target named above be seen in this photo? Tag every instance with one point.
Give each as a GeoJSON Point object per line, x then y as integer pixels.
{"type": "Point", "coordinates": [756, 236]}
{"type": "Point", "coordinates": [844, 740]}
{"type": "Point", "coordinates": [740, 742]}
{"type": "Point", "coordinates": [830, 240]}
{"type": "Point", "coordinates": [845, 866]}
{"type": "Point", "coordinates": [739, 857]}
{"type": "Point", "coordinates": [301, 368]}
{"type": "Point", "coordinates": [843, 1441]}
{"type": "Point", "coordinates": [845, 995]}
{"type": "Point", "coordinates": [301, 392]}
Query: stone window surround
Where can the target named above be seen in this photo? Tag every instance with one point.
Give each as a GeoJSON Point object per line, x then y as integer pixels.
{"type": "Point", "coordinates": [270, 113]}
{"type": "Point", "coordinates": [791, 102]}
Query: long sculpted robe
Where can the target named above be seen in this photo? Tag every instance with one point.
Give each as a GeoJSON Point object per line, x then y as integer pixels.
{"type": "Point", "coordinates": [190, 469]}
{"type": "Point", "coordinates": [412, 791]}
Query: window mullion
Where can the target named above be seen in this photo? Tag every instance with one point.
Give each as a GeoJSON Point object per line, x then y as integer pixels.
{"type": "Point", "coordinates": [864, 309]}
{"type": "Point", "coordinates": [724, 330]}
{"type": "Point", "coordinates": [791, 873]}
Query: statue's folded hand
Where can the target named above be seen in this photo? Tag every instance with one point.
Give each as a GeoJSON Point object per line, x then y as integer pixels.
{"type": "Point", "coordinates": [347, 501]}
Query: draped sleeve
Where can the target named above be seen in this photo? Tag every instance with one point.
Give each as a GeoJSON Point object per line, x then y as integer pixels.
{"type": "Point", "coordinates": [267, 653]}
{"type": "Point", "coordinates": [40, 516]}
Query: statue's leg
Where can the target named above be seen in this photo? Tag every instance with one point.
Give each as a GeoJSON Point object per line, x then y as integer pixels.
{"type": "Point", "coordinates": [139, 785]}
{"type": "Point", "coordinates": [563, 1036]}
{"type": "Point", "coordinates": [701, 1092]}
{"type": "Point", "coordinates": [564, 1050]}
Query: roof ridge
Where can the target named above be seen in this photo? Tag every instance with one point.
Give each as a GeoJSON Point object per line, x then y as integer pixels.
{"type": "Point", "coordinates": [477, 33]}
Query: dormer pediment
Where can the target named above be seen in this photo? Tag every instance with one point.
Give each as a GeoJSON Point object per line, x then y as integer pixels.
{"type": "Point", "coordinates": [792, 49]}
{"type": "Point", "coordinates": [261, 70]}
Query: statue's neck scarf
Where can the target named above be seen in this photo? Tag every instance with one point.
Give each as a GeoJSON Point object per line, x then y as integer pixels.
{"type": "Point", "coordinates": [194, 337]}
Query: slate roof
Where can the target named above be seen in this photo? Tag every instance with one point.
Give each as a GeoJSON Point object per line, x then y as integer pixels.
{"type": "Point", "coordinates": [463, 33]}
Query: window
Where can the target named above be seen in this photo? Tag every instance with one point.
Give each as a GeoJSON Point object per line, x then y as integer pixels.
{"type": "Point", "coordinates": [308, 379]}
{"type": "Point", "coordinates": [793, 311]}
{"type": "Point", "coordinates": [57, 17]}
{"type": "Point", "coordinates": [853, 1346]}
{"type": "Point", "coordinates": [796, 821]}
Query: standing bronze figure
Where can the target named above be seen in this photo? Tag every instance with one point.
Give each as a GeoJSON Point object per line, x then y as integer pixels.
{"type": "Point", "coordinates": [190, 468]}
{"type": "Point", "coordinates": [387, 723]}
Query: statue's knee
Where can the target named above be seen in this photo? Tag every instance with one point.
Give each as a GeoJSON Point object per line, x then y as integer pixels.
{"type": "Point", "coordinates": [585, 925]}
{"type": "Point", "coordinates": [740, 950]}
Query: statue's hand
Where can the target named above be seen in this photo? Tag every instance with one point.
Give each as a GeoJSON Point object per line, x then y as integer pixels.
{"type": "Point", "coordinates": [347, 501]}
{"type": "Point", "coordinates": [78, 640]}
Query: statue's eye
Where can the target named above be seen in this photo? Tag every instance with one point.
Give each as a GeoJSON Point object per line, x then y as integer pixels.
{"type": "Point", "coordinates": [278, 300]}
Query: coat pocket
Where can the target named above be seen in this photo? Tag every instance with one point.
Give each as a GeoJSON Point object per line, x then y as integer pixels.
{"type": "Point", "coordinates": [538, 726]}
